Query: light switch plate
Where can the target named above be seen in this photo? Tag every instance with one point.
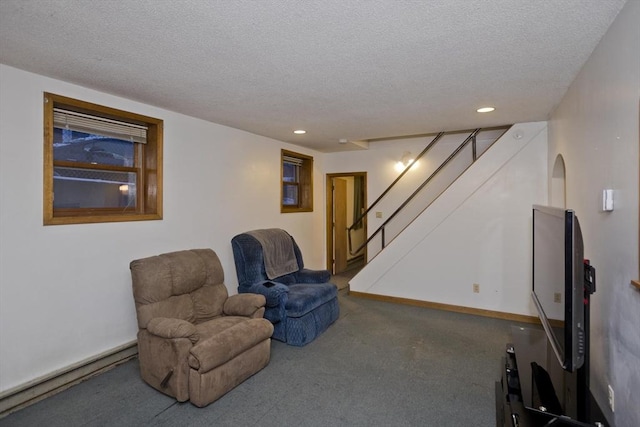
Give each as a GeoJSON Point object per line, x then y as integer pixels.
{"type": "Point", "coordinates": [607, 200]}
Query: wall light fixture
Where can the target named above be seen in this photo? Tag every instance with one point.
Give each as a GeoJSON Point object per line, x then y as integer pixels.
{"type": "Point", "coordinates": [406, 160]}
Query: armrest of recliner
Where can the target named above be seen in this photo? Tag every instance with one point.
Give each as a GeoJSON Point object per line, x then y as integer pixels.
{"type": "Point", "coordinates": [165, 327]}
{"type": "Point", "coordinates": [248, 305]}
{"type": "Point", "coordinates": [313, 276]}
{"type": "Point", "coordinates": [274, 292]}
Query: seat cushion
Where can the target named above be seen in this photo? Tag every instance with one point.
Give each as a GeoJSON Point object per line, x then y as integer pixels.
{"type": "Point", "coordinates": [304, 297]}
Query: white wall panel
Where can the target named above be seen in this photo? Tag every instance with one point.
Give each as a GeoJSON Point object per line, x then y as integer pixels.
{"type": "Point", "coordinates": [595, 129]}
{"type": "Point", "coordinates": [65, 291]}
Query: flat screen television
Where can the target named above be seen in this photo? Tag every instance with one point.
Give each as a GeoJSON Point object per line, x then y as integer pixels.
{"type": "Point", "coordinates": [558, 282]}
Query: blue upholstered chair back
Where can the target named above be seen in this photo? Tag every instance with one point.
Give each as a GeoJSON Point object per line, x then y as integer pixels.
{"type": "Point", "coordinates": [249, 260]}
{"type": "Point", "coordinates": [301, 305]}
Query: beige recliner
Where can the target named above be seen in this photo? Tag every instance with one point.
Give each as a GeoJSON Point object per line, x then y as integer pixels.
{"type": "Point", "coordinates": [194, 341]}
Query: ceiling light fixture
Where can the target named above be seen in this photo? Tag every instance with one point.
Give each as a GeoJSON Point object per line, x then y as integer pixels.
{"type": "Point", "coordinates": [299, 132]}
{"type": "Point", "coordinates": [485, 109]}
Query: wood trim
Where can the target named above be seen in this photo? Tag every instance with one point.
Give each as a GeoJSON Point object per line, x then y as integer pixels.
{"type": "Point", "coordinates": [33, 391]}
{"type": "Point", "coordinates": [89, 219]}
{"type": "Point", "coordinates": [97, 109]}
{"type": "Point", "coordinates": [47, 149]}
{"type": "Point", "coordinates": [329, 212]}
{"type": "Point", "coordinates": [636, 283]}
{"type": "Point", "coordinates": [329, 221]}
{"type": "Point", "coordinates": [153, 168]}
{"type": "Point", "coordinates": [148, 167]}
{"type": "Point", "coordinates": [449, 307]}
{"type": "Point", "coordinates": [91, 166]}
{"type": "Point", "coordinates": [305, 183]}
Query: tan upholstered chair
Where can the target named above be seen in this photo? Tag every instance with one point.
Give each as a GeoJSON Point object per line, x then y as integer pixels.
{"type": "Point", "coordinates": [194, 341]}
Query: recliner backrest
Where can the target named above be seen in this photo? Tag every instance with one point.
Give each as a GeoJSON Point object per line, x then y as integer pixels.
{"type": "Point", "coordinates": [249, 261]}
{"type": "Point", "coordinates": [187, 285]}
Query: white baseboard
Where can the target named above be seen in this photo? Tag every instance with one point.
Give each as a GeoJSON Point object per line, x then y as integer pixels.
{"type": "Point", "coordinates": [29, 393]}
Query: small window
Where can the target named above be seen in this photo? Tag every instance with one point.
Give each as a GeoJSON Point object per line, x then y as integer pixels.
{"type": "Point", "coordinates": [101, 164]}
{"type": "Point", "coordinates": [297, 182]}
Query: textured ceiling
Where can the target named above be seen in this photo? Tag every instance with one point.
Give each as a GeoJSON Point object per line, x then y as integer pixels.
{"type": "Point", "coordinates": [341, 69]}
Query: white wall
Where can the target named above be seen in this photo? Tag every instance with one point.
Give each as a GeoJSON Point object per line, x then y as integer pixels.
{"type": "Point", "coordinates": [65, 291]}
{"type": "Point", "coordinates": [478, 231]}
{"type": "Point", "coordinates": [595, 128]}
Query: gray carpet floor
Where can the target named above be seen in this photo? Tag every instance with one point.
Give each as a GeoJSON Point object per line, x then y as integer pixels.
{"type": "Point", "coordinates": [380, 364]}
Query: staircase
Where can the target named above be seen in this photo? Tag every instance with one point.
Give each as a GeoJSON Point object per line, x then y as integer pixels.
{"type": "Point", "coordinates": [476, 230]}
{"type": "Point", "coordinates": [423, 179]}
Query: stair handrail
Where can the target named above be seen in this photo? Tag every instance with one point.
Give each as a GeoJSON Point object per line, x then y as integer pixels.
{"type": "Point", "coordinates": [471, 137]}
{"type": "Point", "coordinates": [361, 217]}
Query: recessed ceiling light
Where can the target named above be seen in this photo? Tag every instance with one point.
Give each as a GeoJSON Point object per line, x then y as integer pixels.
{"type": "Point", "coordinates": [485, 109]}
{"type": "Point", "coordinates": [299, 132]}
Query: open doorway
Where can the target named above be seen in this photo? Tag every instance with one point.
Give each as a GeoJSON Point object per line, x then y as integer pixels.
{"type": "Point", "coordinates": [558, 184]}
{"type": "Point", "coordinates": [346, 200]}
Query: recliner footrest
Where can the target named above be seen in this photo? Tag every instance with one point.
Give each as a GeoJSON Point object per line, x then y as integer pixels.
{"type": "Point", "coordinates": [226, 345]}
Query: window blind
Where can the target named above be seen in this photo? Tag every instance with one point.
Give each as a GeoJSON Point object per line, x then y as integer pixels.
{"type": "Point", "coordinates": [293, 160]}
{"type": "Point", "coordinates": [79, 122]}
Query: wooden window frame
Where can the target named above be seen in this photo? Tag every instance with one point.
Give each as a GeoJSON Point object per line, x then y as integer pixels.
{"type": "Point", "coordinates": [147, 166]}
{"type": "Point", "coordinates": [305, 183]}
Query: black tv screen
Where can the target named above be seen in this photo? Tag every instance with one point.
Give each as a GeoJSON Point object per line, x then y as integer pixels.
{"type": "Point", "coordinates": [558, 282]}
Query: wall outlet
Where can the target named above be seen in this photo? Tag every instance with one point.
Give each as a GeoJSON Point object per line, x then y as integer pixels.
{"type": "Point", "coordinates": [557, 297]}
{"type": "Point", "coordinates": [476, 288]}
{"type": "Point", "coordinates": [611, 398]}
{"type": "Point", "coordinates": [378, 214]}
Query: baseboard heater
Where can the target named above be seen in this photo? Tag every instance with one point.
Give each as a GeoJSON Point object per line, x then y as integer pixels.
{"type": "Point", "coordinates": [33, 391]}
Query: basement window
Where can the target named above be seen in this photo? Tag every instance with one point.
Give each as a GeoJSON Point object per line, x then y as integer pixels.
{"type": "Point", "coordinates": [100, 164]}
{"type": "Point", "coordinates": [297, 182]}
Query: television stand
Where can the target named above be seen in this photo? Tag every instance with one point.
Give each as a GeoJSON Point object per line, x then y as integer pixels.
{"type": "Point", "coordinates": [519, 402]}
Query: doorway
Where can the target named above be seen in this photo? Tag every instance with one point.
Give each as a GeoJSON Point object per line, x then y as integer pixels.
{"type": "Point", "coordinates": [558, 184]}
{"type": "Point", "coordinates": [346, 200]}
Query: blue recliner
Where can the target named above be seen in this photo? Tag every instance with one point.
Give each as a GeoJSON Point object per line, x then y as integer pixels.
{"type": "Point", "coordinates": [301, 303]}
